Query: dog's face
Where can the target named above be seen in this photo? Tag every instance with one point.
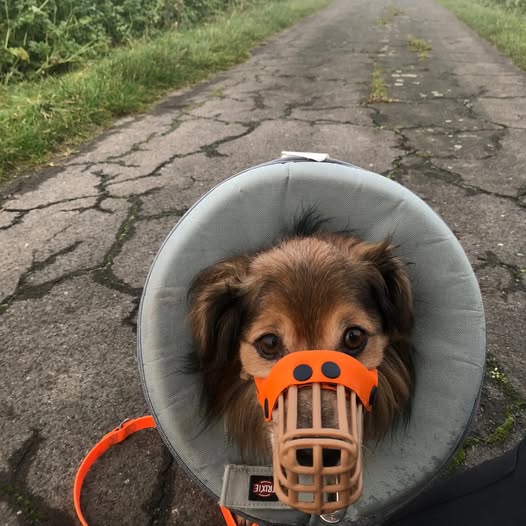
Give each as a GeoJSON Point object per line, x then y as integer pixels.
{"type": "Point", "coordinates": [311, 294]}
{"type": "Point", "coordinates": [320, 291]}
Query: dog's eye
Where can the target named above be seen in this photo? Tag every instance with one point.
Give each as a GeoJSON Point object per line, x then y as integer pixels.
{"type": "Point", "coordinates": [269, 346]}
{"type": "Point", "coordinates": [354, 340]}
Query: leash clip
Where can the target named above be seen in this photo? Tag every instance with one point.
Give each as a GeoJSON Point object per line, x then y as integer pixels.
{"type": "Point", "coordinates": [121, 425]}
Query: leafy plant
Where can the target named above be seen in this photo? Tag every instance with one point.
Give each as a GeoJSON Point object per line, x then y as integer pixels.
{"type": "Point", "coordinates": [512, 4]}
{"type": "Point", "coordinates": [38, 37]}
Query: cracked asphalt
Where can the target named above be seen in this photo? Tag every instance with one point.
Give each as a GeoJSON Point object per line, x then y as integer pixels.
{"type": "Point", "coordinates": [77, 240]}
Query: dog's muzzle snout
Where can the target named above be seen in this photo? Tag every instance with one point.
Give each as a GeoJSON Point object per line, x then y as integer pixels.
{"type": "Point", "coordinates": [317, 468]}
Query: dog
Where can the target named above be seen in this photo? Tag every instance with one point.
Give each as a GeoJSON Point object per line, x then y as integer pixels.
{"type": "Point", "coordinates": [312, 289]}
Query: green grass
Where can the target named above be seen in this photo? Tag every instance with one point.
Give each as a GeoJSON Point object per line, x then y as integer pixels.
{"type": "Point", "coordinates": [40, 119]}
{"type": "Point", "coordinates": [504, 28]}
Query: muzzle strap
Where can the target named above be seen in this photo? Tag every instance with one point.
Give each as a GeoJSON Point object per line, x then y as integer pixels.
{"type": "Point", "coordinates": [328, 368]}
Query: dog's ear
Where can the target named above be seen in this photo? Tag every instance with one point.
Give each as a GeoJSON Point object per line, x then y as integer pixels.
{"type": "Point", "coordinates": [216, 313]}
{"type": "Point", "coordinates": [393, 292]}
{"type": "Point", "coordinates": [394, 299]}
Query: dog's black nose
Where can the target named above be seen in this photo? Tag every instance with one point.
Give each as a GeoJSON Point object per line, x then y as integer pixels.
{"type": "Point", "coordinates": [330, 457]}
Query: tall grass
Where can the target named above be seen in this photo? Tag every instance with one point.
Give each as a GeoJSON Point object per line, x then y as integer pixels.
{"type": "Point", "coordinates": [520, 5]}
{"type": "Point", "coordinates": [39, 118]}
{"type": "Point", "coordinates": [503, 26]}
{"type": "Point", "coordinates": [41, 37]}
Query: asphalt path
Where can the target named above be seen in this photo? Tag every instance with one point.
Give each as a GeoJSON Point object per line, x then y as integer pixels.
{"type": "Point", "coordinates": [76, 240]}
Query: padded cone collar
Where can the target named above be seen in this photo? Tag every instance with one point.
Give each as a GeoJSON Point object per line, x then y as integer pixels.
{"type": "Point", "coordinates": [246, 212]}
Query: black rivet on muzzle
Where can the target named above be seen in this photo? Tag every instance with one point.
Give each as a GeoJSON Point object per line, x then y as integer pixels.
{"type": "Point", "coordinates": [265, 408]}
{"type": "Point", "coordinates": [372, 396]}
{"type": "Point", "coordinates": [302, 372]}
{"type": "Point", "coordinates": [330, 370]}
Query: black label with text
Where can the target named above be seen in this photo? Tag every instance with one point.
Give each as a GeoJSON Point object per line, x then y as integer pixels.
{"type": "Point", "coordinates": [262, 488]}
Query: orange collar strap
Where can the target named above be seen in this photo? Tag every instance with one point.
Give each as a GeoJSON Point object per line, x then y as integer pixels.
{"type": "Point", "coordinates": [119, 434]}
{"type": "Point", "coordinates": [324, 367]}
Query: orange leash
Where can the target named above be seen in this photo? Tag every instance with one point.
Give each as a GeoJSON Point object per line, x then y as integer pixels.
{"type": "Point", "coordinates": [118, 435]}
{"type": "Point", "coordinates": [229, 518]}
{"type": "Point", "coordinates": [227, 515]}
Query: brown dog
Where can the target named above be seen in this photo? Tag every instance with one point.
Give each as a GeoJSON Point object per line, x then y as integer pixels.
{"type": "Point", "coordinates": [311, 290]}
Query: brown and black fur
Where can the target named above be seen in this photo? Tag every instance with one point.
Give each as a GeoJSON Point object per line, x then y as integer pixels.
{"type": "Point", "coordinates": [308, 287]}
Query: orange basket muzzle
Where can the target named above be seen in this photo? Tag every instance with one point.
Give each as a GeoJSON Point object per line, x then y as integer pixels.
{"type": "Point", "coordinates": [316, 399]}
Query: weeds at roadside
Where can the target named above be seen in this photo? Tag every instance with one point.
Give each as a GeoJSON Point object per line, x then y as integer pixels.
{"type": "Point", "coordinates": [504, 27]}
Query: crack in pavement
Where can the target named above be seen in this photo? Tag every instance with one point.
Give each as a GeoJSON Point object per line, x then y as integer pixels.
{"type": "Point", "coordinates": [175, 212]}
{"type": "Point", "coordinates": [89, 164]}
{"type": "Point", "coordinates": [259, 101]}
{"type": "Point", "coordinates": [290, 107]}
{"type": "Point", "coordinates": [16, 220]}
{"type": "Point", "coordinates": [516, 273]}
{"type": "Point", "coordinates": [29, 509]}
{"type": "Point", "coordinates": [470, 115]}
{"type": "Point", "coordinates": [135, 146]}
{"type": "Point", "coordinates": [286, 115]}
{"type": "Point", "coordinates": [454, 178]}
{"type": "Point", "coordinates": [210, 150]}
{"type": "Point", "coordinates": [430, 168]}
{"type": "Point", "coordinates": [104, 275]}
{"type": "Point", "coordinates": [25, 211]}
{"type": "Point", "coordinates": [159, 504]}
{"type": "Point", "coordinates": [103, 192]}
{"type": "Point", "coordinates": [24, 290]}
